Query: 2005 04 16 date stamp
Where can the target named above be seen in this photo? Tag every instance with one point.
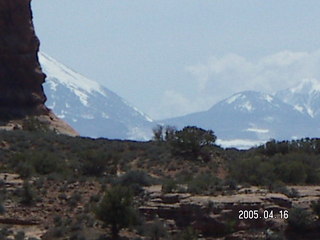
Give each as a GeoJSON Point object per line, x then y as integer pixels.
{"type": "Point", "coordinates": [265, 214]}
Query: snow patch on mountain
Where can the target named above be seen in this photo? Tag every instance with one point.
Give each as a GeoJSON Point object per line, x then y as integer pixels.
{"type": "Point", "coordinates": [268, 98]}
{"type": "Point", "coordinates": [305, 97]}
{"type": "Point", "coordinates": [298, 108]}
{"type": "Point", "coordinates": [67, 76]}
{"type": "Point", "coordinates": [90, 108]}
{"type": "Point", "coordinates": [306, 86]}
{"type": "Point", "coordinates": [233, 98]}
{"type": "Point", "coordinates": [79, 84]}
{"type": "Point", "coordinates": [246, 106]}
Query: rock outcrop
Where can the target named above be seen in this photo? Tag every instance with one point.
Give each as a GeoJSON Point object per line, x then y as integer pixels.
{"type": "Point", "coordinates": [21, 77]}
{"type": "Point", "coordinates": [216, 216]}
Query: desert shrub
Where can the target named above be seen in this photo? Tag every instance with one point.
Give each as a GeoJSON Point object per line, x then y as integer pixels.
{"type": "Point", "coordinates": [156, 230]}
{"type": "Point", "coordinates": [293, 193]}
{"type": "Point", "coordinates": [187, 234]}
{"type": "Point", "coordinates": [289, 168]}
{"type": "Point", "coordinates": [59, 231]}
{"type": "Point", "coordinates": [231, 184]}
{"type": "Point", "coordinates": [279, 187]}
{"type": "Point", "coordinates": [292, 172]}
{"type": "Point", "coordinates": [313, 174]}
{"type": "Point", "coordinates": [95, 198]}
{"type": "Point", "coordinates": [275, 236]}
{"type": "Point", "coordinates": [254, 170]}
{"type": "Point", "coordinates": [77, 236]}
{"type": "Point", "coordinates": [191, 142]}
{"type": "Point", "coordinates": [158, 133]}
{"type": "Point", "coordinates": [19, 236]}
{"type": "Point", "coordinates": [135, 180]}
{"type": "Point", "coordinates": [2, 208]}
{"type": "Point", "coordinates": [230, 225]}
{"type": "Point", "coordinates": [164, 133]}
{"type": "Point", "coordinates": [316, 207]}
{"type": "Point", "coordinates": [28, 195]}
{"type": "Point", "coordinates": [94, 163]}
{"type": "Point", "coordinates": [116, 209]}
{"type": "Point", "coordinates": [57, 221]}
{"type": "Point", "coordinates": [203, 184]}
{"type": "Point", "coordinates": [74, 199]}
{"type": "Point", "coordinates": [45, 163]}
{"type": "Point", "coordinates": [169, 186]}
{"type": "Point", "coordinates": [34, 124]}
{"type": "Point", "coordinates": [25, 169]}
{"type": "Point", "coordinates": [299, 219]}
{"type": "Point", "coordinates": [5, 232]}
{"type": "Point", "coordinates": [41, 162]}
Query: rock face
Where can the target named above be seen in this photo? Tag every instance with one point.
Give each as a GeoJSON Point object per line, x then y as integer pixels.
{"type": "Point", "coordinates": [217, 216]}
{"type": "Point", "coordinates": [21, 78]}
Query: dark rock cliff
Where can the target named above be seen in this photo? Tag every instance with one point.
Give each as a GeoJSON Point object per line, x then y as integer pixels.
{"type": "Point", "coordinates": [21, 78]}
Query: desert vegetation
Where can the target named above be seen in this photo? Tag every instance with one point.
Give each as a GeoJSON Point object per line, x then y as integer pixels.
{"type": "Point", "coordinates": [105, 189]}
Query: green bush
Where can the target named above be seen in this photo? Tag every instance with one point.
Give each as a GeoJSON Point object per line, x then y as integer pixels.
{"type": "Point", "coordinates": [116, 209]}
{"type": "Point", "coordinates": [74, 199]}
{"type": "Point", "coordinates": [156, 230]}
{"type": "Point", "coordinates": [28, 195]}
{"type": "Point", "coordinates": [191, 142]}
{"type": "Point", "coordinates": [299, 219]}
{"type": "Point", "coordinates": [187, 234]}
{"type": "Point", "coordinates": [5, 232]}
{"type": "Point", "coordinates": [169, 186]}
{"type": "Point", "coordinates": [2, 208]}
{"type": "Point", "coordinates": [316, 207]}
{"type": "Point", "coordinates": [204, 184]}
{"type": "Point", "coordinates": [135, 180]}
{"type": "Point", "coordinates": [45, 163]}
{"type": "Point", "coordinates": [19, 236]}
{"type": "Point", "coordinates": [95, 163]}
{"type": "Point", "coordinates": [34, 124]}
{"type": "Point", "coordinates": [41, 162]}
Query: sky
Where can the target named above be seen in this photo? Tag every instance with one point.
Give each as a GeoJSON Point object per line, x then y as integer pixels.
{"type": "Point", "coordinates": [174, 57]}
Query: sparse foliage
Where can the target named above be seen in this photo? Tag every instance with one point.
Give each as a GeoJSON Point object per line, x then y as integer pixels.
{"type": "Point", "coordinates": [316, 207]}
{"type": "Point", "coordinates": [158, 133]}
{"type": "Point", "coordinates": [299, 219]}
{"type": "Point", "coordinates": [116, 209]}
{"type": "Point", "coordinates": [27, 194]}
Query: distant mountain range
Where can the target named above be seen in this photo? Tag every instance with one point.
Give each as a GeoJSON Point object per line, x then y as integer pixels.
{"type": "Point", "coordinates": [245, 119]}
{"type": "Point", "coordinates": [251, 118]}
{"type": "Point", "coordinates": [305, 97]}
{"type": "Point", "coordinates": [90, 108]}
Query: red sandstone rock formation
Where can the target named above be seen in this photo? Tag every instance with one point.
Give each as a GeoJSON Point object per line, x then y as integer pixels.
{"type": "Point", "coordinates": [21, 77]}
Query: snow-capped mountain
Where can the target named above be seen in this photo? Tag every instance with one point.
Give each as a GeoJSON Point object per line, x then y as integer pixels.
{"type": "Point", "coordinates": [305, 97]}
{"type": "Point", "coordinates": [245, 119]}
{"type": "Point", "coordinates": [250, 118]}
{"type": "Point", "coordinates": [90, 108]}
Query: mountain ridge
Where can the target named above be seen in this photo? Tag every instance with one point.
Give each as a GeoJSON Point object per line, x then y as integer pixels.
{"type": "Point", "coordinates": [305, 97]}
{"type": "Point", "coordinates": [89, 107]}
{"type": "Point", "coordinates": [251, 118]}
{"type": "Point", "coordinates": [242, 120]}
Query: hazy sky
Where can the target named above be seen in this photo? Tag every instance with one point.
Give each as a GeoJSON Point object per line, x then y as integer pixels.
{"type": "Point", "coordinates": [172, 57]}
